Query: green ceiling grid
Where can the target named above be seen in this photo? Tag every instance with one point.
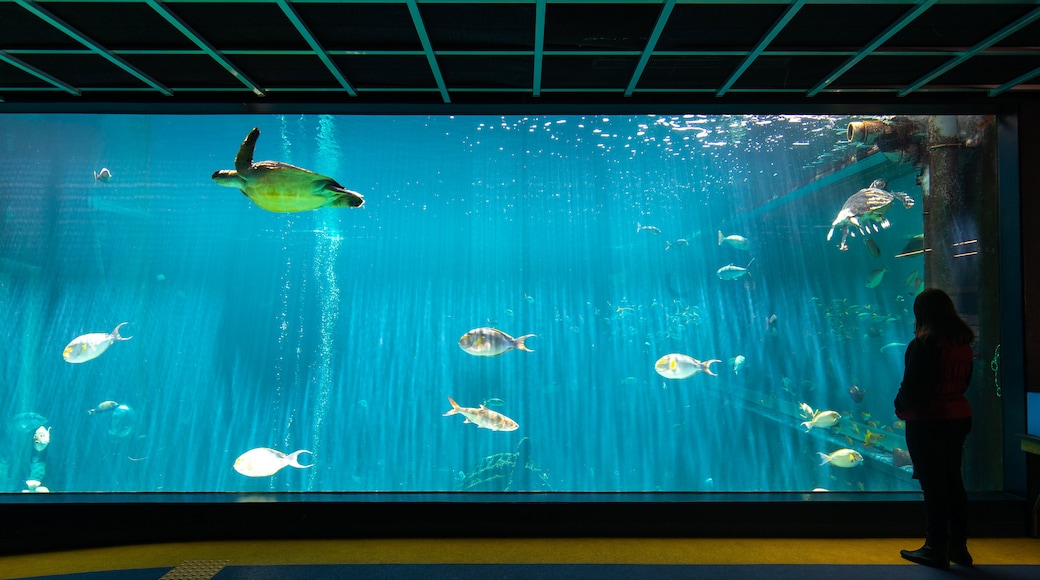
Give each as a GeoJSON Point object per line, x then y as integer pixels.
{"type": "Point", "coordinates": [537, 53]}
{"type": "Point", "coordinates": [204, 45]}
{"type": "Point", "coordinates": [874, 45]}
{"type": "Point", "coordinates": [788, 14]}
{"type": "Point", "coordinates": [995, 38]}
{"type": "Point", "coordinates": [420, 28]}
{"type": "Point", "coordinates": [651, 43]}
{"type": "Point", "coordinates": [26, 67]}
{"type": "Point", "coordinates": [94, 46]}
{"type": "Point", "coordinates": [301, 28]}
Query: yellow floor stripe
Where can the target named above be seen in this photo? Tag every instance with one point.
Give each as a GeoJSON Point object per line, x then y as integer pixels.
{"type": "Point", "coordinates": [508, 551]}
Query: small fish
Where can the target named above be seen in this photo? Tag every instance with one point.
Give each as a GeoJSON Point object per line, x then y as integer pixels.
{"type": "Point", "coordinates": [494, 402]}
{"type": "Point", "coordinates": [806, 411]}
{"type": "Point", "coordinates": [917, 287]}
{"type": "Point", "coordinates": [913, 247]}
{"type": "Point", "coordinates": [483, 417]}
{"type": "Point", "coordinates": [737, 362]}
{"type": "Point", "coordinates": [42, 438]}
{"type": "Point", "coordinates": [856, 393]}
{"type": "Point", "coordinates": [842, 458]}
{"type": "Point", "coordinates": [771, 327]}
{"type": "Point", "coordinates": [900, 457]}
{"type": "Point", "coordinates": [491, 342]}
{"type": "Point", "coordinates": [875, 277]}
{"type": "Point", "coordinates": [872, 247]}
{"type": "Point", "coordinates": [910, 279]}
{"type": "Point", "coordinates": [872, 438]}
{"type": "Point", "coordinates": [102, 407]}
{"type": "Point", "coordinates": [822, 419]}
{"type": "Point", "coordinates": [262, 461]}
{"type": "Point", "coordinates": [738, 242]}
{"type": "Point", "coordinates": [103, 176]}
{"type": "Point", "coordinates": [90, 346]}
{"type": "Point", "coordinates": [652, 230]}
{"type": "Point", "coordinates": [897, 346]}
{"type": "Point", "coordinates": [732, 272]}
{"type": "Point", "coordinates": [681, 366]}
{"type": "Point", "coordinates": [678, 245]}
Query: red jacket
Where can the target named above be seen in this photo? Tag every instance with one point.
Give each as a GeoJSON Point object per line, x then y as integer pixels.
{"type": "Point", "coordinates": [936, 377]}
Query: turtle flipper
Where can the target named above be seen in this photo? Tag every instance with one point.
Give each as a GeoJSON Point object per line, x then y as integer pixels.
{"type": "Point", "coordinates": [244, 159]}
{"type": "Point", "coordinates": [344, 197]}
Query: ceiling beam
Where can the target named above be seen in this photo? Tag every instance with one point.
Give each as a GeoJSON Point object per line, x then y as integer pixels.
{"type": "Point", "coordinates": [874, 45]}
{"type": "Point", "coordinates": [26, 67]}
{"type": "Point", "coordinates": [993, 39]}
{"type": "Point", "coordinates": [539, 46]}
{"type": "Point", "coordinates": [788, 14]}
{"type": "Point", "coordinates": [204, 45]}
{"type": "Point", "coordinates": [81, 38]}
{"type": "Point", "coordinates": [1015, 82]}
{"type": "Point", "coordinates": [293, 17]}
{"type": "Point", "coordinates": [424, 38]}
{"type": "Point", "coordinates": [651, 44]}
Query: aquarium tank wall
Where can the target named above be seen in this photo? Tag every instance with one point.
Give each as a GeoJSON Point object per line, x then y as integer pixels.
{"type": "Point", "coordinates": [461, 303]}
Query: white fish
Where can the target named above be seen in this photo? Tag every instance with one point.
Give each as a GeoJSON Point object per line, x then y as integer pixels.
{"type": "Point", "coordinates": [90, 346]}
{"type": "Point", "coordinates": [822, 419]}
{"type": "Point", "coordinates": [898, 346]}
{"type": "Point", "coordinates": [104, 175]}
{"type": "Point", "coordinates": [652, 230]}
{"type": "Point", "coordinates": [738, 242]}
{"type": "Point", "coordinates": [806, 411]}
{"type": "Point", "coordinates": [262, 461]}
{"type": "Point", "coordinates": [737, 362]}
{"type": "Point", "coordinates": [483, 417]}
{"type": "Point", "coordinates": [42, 438]}
{"type": "Point", "coordinates": [842, 458]}
{"type": "Point", "coordinates": [491, 342]}
{"type": "Point", "coordinates": [681, 366]}
{"type": "Point", "coordinates": [732, 272]}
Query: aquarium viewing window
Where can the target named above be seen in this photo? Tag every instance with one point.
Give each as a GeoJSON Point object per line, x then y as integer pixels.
{"type": "Point", "coordinates": [569, 303]}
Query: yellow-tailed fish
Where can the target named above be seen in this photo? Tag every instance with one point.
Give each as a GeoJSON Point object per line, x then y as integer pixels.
{"type": "Point", "coordinates": [483, 417]}
{"type": "Point", "coordinates": [262, 461]}
{"type": "Point", "coordinates": [90, 346]}
{"type": "Point", "coordinates": [842, 458]}
{"type": "Point", "coordinates": [491, 342]}
{"type": "Point", "coordinates": [822, 419]}
{"type": "Point", "coordinates": [681, 366]}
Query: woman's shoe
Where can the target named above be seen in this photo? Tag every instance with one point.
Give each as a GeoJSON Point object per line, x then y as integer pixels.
{"type": "Point", "coordinates": [960, 556]}
{"type": "Point", "coordinates": [928, 555]}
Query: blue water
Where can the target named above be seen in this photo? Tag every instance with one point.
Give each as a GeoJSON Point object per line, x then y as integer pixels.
{"type": "Point", "coordinates": [336, 330]}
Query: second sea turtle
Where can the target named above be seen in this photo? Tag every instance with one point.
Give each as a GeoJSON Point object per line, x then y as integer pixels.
{"type": "Point", "coordinates": [280, 187]}
{"type": "Point", "coordinates": [865, 211]}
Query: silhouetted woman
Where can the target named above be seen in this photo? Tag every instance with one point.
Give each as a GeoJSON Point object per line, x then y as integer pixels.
{"type": "Point", "coordinates": [938, 419]}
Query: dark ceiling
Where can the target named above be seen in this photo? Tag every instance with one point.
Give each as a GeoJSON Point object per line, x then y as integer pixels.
{"type": "Point", "coordinates": [380, 53]}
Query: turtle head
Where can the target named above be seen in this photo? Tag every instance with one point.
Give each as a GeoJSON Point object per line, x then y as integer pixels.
{"type": "Point", "coordinates": [227, 178]}
{"type": "Point", "coordinates": [879, 184]}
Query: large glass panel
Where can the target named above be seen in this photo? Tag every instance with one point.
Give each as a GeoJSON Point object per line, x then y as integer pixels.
{"type": "Point", "coordinates": [674, 303]}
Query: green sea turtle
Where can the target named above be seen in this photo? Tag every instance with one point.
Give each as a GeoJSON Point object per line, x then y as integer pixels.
{"type": "Point", "coordinates": [280, 187]}
{"type": "Point", "coordinates": [865, 210]}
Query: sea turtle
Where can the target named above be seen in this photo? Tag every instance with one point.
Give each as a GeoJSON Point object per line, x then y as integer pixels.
{"type": "Point", "coordinates": [865, 210]}
{"type": "Point", "coordinates": [280, 187]}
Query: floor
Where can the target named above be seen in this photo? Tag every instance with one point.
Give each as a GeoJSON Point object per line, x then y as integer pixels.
{"type": "Point", "coordinates": [571, 558]}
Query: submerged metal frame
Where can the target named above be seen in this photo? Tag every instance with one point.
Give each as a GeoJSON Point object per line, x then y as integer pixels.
{"type": "Point", "coordinates": [166, 9]}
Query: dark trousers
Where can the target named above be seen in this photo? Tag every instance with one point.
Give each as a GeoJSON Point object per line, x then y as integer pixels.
{"type": "Point", "coordinates": [936, 448]}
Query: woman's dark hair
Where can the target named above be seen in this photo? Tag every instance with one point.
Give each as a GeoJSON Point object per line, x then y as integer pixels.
{"type": "Point", "coordinates": [937, 318]}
